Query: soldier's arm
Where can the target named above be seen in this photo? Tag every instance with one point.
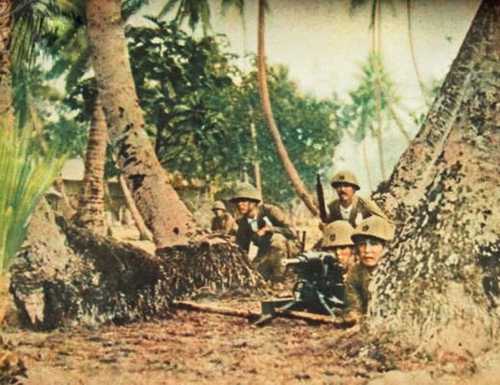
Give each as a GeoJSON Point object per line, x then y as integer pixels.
{"type": "Point", "coordinates": [230, 227]}
{"type": "Point", "coordinates": [353, 301]}
{"type": "Point", "coordinates": [280, 221]}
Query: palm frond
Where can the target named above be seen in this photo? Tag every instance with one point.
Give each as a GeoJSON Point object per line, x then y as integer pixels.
{"type": "Point", "coordinates": [26, 174]}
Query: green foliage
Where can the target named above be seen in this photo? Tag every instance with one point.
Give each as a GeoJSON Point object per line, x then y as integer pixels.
{"type": "Point", "coordinates": [307, 129]}
{"type": "Point", "coordinates": [359, 116]}
{"type": "Point", "coordinates": [26, 173]}
{"type": "Point", "coordinates": [199, 108]}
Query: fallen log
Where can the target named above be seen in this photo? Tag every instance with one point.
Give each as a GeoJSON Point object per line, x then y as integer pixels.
{"type": "Point", "coordinates": [67, 275]}
{"type": "Point", "coordinates": [252, 315]}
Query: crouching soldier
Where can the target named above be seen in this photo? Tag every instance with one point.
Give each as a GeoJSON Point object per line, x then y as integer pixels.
{"type": "Point", "coordinates": [337, 240]}
{"type": "Point", "coordinates": [223, 222]}
{"type": "Point", "coordinates": [370, 238]}
{"type": "Point", "coordinates": [267, 228]}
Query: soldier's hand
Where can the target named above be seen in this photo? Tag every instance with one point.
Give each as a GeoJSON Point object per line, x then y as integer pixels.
{"type": "Point", "coordinates": [263, 231]}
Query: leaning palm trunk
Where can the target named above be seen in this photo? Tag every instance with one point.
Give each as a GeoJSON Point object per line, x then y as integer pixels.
{"type": "Point", "coordinates": [136, 215]}
{"type": "Point", "coordinates": [442, 271]}
{"type": "Point", "coordinates": [91, 212]}
{"type": "Point", "coordinates": [268, 114]}
{"type": "Point", "coordinates": [6, 112]}
{"type": "Point", "coordinates": [164, 213]}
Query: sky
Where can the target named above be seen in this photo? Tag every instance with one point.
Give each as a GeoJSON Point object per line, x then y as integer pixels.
{"type": "Point", "coordinates": [324, 43]}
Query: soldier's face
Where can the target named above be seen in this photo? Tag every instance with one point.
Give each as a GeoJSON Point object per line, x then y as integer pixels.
{"type": "Point", "coordinates": [245, 207]}
{"type": "Point", "coordinates": [344, 254]}
{"type": "Point", "coordinates": [370, 251]}
{"type": "Point", "coordinates": [218, 212]}
{"type": "Point", "coordinates": [345, 192]}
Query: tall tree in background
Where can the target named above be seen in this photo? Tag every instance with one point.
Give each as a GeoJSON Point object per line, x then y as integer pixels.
{"type": "Point", "coordinates": [443, 268]}
{"type": "Point", "coordinates": [164, 213]}
{"type": "Point", "coordinates": [294, 176]}
{"type": "Point", "coordinates": [91, 212]}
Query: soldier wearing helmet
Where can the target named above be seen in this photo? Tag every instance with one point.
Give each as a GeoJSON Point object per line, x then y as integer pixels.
{"type": "Point", "coordinates": [223, 222]}
{"type": "Point", "coordinates": [337, 239]}
{"type": "Point", "coordinates": [349, 206]}
{"type": "Point", "coordinates": [265, 227]}
{"type": "Point", "coordinates": [370, 238]}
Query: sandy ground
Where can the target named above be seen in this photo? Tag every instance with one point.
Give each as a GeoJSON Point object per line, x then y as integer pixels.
{"type": "Point", "coordinates": [200, 348]}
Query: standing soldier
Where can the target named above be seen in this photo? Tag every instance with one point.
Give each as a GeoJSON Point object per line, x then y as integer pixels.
{"type": "Point", "coordinates": [370, 238]}
{"type": "Point", "coordinates": [349, 206]}
{"type": "Point", "coordinates": [222, 222]}
{"type": "Point", "coordinates": [265, 227]}
{"type": "Point", "coordinates": [337, 239]}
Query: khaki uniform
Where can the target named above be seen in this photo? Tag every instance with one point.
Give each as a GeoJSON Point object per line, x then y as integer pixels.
{"type": "Point", "coordinates": [225, 224]}
{"type": "Point", "coordinates": [361, 208]}
{"type": "Point", "coordinates": [273, 246]}
{"type": "Point", "coordinates": [357, 293]}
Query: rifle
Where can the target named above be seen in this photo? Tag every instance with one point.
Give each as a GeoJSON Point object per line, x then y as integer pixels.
{"type": "Point", "coordinates": [321, 199]}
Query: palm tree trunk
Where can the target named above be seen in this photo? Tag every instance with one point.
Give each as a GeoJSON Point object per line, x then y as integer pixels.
{"type": "Point", "coordinates": [139, 222]}
{"type": "Point", "coordinates": [412, 170]}
{"type": "Point", "coordinates": [164, 213]}
{"type": "Point", "coordinates": [367, 165]}
{"type": "Point", "coordinates": [412, 50]}
{"type": "Point", "coordinates": [441, 270]}
{"type": "Point", "coordinates": [6, 110]}
{"type": "Point", "coordinates": [91, 212]}
{"type": "Point", "coordinates": [256, 163]}
{"type": "Point", "coordinates": [268, 115]}
{"type": "Point", "coordinates": [376, 55]}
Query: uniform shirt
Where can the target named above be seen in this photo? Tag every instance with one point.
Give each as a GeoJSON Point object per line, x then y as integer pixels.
{"type": "Point", "coordinates": [224, 224]}
{"type": "Point", "coordinates": [357, 293]}
{"type": "Point", "coordinates": [267, 214]}
{"type": "Point", "coordinates": [360, 209]}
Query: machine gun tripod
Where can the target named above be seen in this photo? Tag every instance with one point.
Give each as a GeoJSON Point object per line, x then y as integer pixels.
{"type": "Point", "coordinates": [319, 287]}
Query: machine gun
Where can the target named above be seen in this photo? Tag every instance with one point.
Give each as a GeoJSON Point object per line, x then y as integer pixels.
{"type": "Point", "coordinates": [319, 287]}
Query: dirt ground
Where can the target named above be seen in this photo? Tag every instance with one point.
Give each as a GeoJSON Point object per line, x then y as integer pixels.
{"type": "Point", "coordinates": [201, 348]}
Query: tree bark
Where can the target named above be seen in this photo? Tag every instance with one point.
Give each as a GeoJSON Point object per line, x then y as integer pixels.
{"type": "Point", "coordinates": [165, 214]}
{"type": "Point", "coordinates": [442, 271]}
{"type": "Point", "coordinates": [256, 163]}
{"type": "Point", "coordinates": [6, 109]}
{"type": "Point", "coordinates": [91, 213]}
{"type": "Point", "coordinates": [412, 50]}
{"type": "Point", "coordinates": [290, 169]}
{"type": "Point", "coordinates": [411, 173]}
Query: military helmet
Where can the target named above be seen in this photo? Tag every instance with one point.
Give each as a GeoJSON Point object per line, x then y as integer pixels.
{"type": "Point", "coordinates": [246, 191]}
{"type": "Point", "coordinates": [219, 205]}
{"type": "Point", "coordinates": [337, 233]}
{"type": "Point", "coordinates": [345, 177]}
{"type": "Point", "coordinates": [374, 226]}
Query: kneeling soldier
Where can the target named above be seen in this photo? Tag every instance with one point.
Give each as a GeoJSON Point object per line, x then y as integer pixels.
{"type": "Point", "coordinates": [370, 238]}
{"type": "Point", "coordinates": [337, 239]}
{"type": "Point", "coordinates": [222, 222]}
{"type": "Point", "coordinates": [265, 227]}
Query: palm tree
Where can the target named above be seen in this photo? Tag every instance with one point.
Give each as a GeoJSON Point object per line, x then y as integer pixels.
{"type": "Point", "coordinates": [91, 212]}
{"type": "Point", "coordinates": [268, 115]}
{"type": "Point", "coordinates": [444, 193]}
{"type": "Point", "coordinates": [163, 211]}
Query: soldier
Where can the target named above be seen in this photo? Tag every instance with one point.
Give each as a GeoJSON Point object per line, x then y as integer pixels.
{"type": "Point", "coordinates": [337, 239]}
{"type": "Point", "coordinates": [370, 238]}
{"type": "Point", "coordinates": [222, 222]}
{"type": "Point", "coordinates": [265, 227]}
{"type": "Point", "coordinates": [349, 206]}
